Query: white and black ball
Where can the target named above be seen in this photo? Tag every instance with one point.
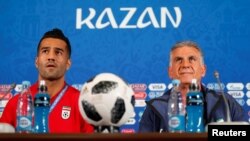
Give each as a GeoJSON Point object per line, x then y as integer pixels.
{"type": "Point", "coordinates": [106, 100]}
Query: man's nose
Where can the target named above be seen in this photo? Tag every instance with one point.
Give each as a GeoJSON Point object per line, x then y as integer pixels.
{"type": "Point", "coordinates": [185, 63]}
{"type": "Point", "coordinates": [51, 56]}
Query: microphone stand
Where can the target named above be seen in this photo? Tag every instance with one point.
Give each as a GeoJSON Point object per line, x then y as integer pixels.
{"type": "Point", "coordinates": [228, 115]}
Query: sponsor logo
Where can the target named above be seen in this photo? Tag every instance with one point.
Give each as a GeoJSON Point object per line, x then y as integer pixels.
{"type": "Point", "coordinates": [155, 94]}
{"type": "Point", "coordinates": [128, 131]}
{"type": "Point", "coordinates": [170, 85]}
{"type": "Point", "coordinates": [77, 86]}
{"type": "Point", "coordinates": [248, 86]}
{"type": "Point", "coordinates": [4, 88]}
{"type": "Point", "coordinates": [248, 94]}
{"type": "Point", "coordinates": [140, 113]}
{"type": "Point", "coordinates": [240, 101]}
{"type": "Point", "coordinates": [157, 87]}
{"type": "Point", "coordinates": [235, 86]}
{"type": "Point", "coordinates": [140, 103]}
{"type": "Point", "coordinates": [130, 121]}
{"type": "Point", "coordinates": [18, 88]}
{"type": "Point", "coordinates": [248, 102]}
{"type": "Point", "coordinates": [130, 20]}
{"type": "Point", "coordinates": [139, 87]}
{"type": "Point", "coordinates": [134, 114]}
{"type": "Point", "coordinates": [140, 95]}
{"type": "Point", "coordinates": [215, 86]}
{"type": "Point", "coordinates": [3, 103]}
{"type": "Point", "coordinates": [236, 94]}
{"type": "Point", "coordinates": [4, 96]}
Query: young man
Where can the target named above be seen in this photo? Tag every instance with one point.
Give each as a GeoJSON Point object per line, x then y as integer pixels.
{"type": "Point", "coordinates": [52, 62]}
{"type": "Point", "coordinates": [187, 63]}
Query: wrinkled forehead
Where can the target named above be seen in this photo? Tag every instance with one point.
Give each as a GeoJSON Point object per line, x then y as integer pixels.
{"type": "Point", "coordinates": [186, 51]}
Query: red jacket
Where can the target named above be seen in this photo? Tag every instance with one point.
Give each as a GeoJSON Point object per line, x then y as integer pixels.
{"type": "Point", "coordinates": [74, 123]}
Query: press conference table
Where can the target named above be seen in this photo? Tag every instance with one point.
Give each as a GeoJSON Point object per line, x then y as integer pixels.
{"type": "Point", "coordinates": [107, 137]}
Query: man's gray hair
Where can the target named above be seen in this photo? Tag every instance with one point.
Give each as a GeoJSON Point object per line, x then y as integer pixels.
{"type": "Point", "coordinates": [188, 44]}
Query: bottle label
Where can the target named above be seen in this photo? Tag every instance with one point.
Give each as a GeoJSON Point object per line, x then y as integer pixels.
{"type": "Point", "coordinates": [194, 98]}
{"type": "Point", "coordinates": [41, 99]}
{"type": "Point", "coordinates": [24, 123]}
{"type": "Point", "coordinates": [177, 123]}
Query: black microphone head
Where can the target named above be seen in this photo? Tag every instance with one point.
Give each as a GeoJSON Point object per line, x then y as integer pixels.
{"type": "Point", "coordinates": [216, 74]}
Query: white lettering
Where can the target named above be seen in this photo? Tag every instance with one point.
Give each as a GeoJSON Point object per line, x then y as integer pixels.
{"type": "Point", "coordinates": [107, 13]}
{"type": "Point", "coordinates": [124, 23]}
{"type": "Point", "coordinates": [216, 132]}
{"type": "Point", "coordinates": [152, 17]}
{"type": "Point", "coordinates": [87, 21]}
{"type": "Point", "coordinates": [165, 13]}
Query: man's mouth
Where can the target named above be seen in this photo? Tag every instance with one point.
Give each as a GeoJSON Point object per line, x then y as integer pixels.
{"type": "Point", "coordinates": [183, 73]}
{"type": "Point", "coordinates": [51, 66]}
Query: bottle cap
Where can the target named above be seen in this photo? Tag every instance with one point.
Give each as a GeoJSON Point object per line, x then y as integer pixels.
{"type": "Point", "coordinates": [194, 85]}
{"type": "Point", "coordinates": [194, 81]}
{"type": "Point", "coordinates": [42, 82]}
{"type": "Point", "coordinates": [26, 84]}
{"type": "Point", "coordinates": [42, 86]}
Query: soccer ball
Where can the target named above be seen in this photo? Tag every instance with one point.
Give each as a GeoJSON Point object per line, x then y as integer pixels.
{"type": "Point", "coordinates": [106, 100]}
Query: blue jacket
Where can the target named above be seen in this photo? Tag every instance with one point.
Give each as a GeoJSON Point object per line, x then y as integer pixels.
{"type": "Point", "coordinates": [155, 116]}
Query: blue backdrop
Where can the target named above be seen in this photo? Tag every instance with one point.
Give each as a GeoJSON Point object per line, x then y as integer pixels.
{"type": "Point", "coordinates": [131, 39]}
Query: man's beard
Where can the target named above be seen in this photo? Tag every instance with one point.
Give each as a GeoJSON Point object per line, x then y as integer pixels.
{"type": "Point", "coordinates": [51, 76]}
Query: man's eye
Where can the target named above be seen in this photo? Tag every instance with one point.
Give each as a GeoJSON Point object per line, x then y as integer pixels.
{"type": "Point", "coordinates": [178, 60]}
{"type": "Point", "coordinates": [58, 52]}
{"type": "Point", "coordinates": [191, 59]}
{"type": "Point", "coordinates": [44, 51]}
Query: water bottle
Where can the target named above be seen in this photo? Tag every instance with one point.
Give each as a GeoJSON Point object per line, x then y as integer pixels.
{"type": "Point", "coordinates": [25, 110]}
{"type": "Point", "coordinates": [176, 109]}
{"type": "Point", "coordinates": [42, 106]}
{"type": "Point", "coordinates": [195, 109]}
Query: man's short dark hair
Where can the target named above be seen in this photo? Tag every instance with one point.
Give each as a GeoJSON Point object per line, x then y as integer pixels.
{"type": "Point", "coordinates": [58, 34]}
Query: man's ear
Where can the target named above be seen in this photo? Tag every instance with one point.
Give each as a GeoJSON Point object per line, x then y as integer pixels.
{"type": "Point", "coordinates": [68, 64]}
{"type": "Point", "coordinates": [204, 70]}
{"type": "Point", "coordinates": [36, 62]}
{"type": "Point", "coordinates": [170, 74]}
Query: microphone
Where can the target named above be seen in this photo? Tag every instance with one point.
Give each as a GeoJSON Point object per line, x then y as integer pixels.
{"type": "Point", "coordinates": [9, 90]}
{"type": "Point", "coordinates": [228, 115]}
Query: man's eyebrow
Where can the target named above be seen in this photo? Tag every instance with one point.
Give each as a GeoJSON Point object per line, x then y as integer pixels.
{"type": "Point", "coordinates": [178, 57]}
{"type": "Point", "coordinates": [57, 48]}
{"type": "Point", "coordinates": [193, 56]}
{"type": "Point", "coordinates": [44, 47]}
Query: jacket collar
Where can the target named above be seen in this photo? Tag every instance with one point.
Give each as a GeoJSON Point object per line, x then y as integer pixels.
{"type": "Point", "coordinates": [212, 101]}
